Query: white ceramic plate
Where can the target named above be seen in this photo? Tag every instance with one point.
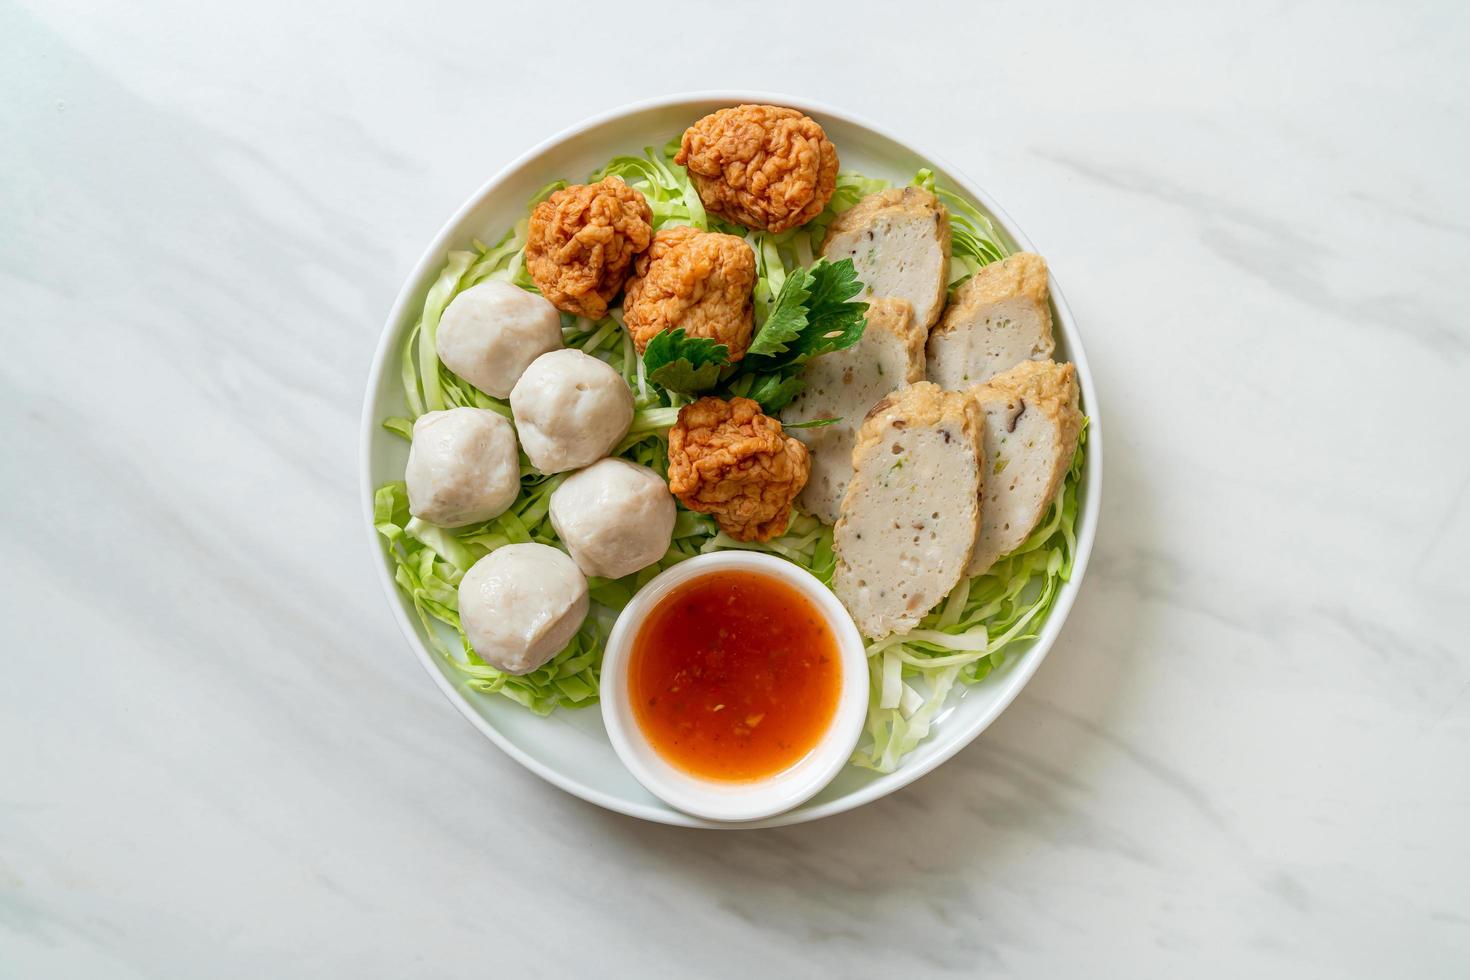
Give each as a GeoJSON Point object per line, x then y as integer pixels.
{"type": "Point", "coordinates": [570, 748]}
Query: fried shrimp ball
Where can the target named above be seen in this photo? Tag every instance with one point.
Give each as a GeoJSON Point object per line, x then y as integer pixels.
{"type": "Point", "coordinates": [728, 459]}
{"type": "Point", "coordinates": [698, 280]}
{"type": "Point", "coordinates": [760, 165]}
{"type": "Point", "coordinates": [581, 242]}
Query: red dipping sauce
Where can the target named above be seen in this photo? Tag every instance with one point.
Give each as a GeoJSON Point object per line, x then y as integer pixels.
{"type": "Point", "coordinates": [734, 676]}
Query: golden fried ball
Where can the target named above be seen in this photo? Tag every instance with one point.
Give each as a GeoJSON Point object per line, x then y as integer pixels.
{"type": "Point", "coordinates": [581, 243]}
{"type": "Point", "coordinates": [760, 165]}
{"type": "Point", "coordinates": [728, 459]}
{"type": "Point", "coordinates": [698, 280]}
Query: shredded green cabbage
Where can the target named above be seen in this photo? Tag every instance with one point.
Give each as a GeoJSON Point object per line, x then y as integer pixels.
{"type": "Point", "coordinates": [971, 633]}
{"type": "Point", "coordinates": [671, 196]}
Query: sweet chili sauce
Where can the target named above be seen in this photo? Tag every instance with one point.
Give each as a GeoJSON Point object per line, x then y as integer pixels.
{"type": "Point", "coordinates": [734, 676]}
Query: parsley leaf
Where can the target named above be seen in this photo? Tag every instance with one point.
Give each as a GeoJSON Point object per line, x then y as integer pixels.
{"type": "Point", "coordinates": [774, 391]}
{"type": "Point", "coordinates": [678, 362]}
{"type": "Point", "coordinates": [812, 315]}
{"type": "Point", "coordinates": [788, 315]}
{"type": "Point", "coordinates": [833, 321]}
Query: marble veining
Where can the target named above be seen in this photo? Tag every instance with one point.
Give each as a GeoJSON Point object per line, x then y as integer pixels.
{"type": "Point", "coordinates": [1247, 755]}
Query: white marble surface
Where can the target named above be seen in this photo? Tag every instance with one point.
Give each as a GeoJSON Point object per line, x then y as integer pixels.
{"type": "Point", "coordinates": [1248, 755]}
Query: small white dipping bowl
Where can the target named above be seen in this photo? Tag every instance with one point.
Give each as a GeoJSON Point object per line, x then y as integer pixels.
{"type": "Point", "coordinates": [728, 800]}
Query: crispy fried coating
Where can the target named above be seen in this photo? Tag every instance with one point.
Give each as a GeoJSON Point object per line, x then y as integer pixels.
{"type": "Point", "coordinates": [760, 165]}
{"type": "Point", "coordinates": [698, 280]}
{"type": "Point", "coordinates": [581, 243]}
{"type": "Point", "coordinates": [728, 459]}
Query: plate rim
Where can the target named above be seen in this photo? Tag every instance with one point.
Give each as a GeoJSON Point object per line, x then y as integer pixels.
{"type": "Point", "coordinates": [1016, 679]}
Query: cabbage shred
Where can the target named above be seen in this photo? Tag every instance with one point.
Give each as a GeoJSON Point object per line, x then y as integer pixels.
{"type": "Point", "coordinates": [972, 632]}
